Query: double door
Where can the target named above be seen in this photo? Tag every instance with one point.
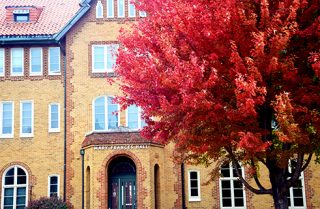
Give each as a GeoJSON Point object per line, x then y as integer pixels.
{"type": "Point", "coordinates": [122, 192]}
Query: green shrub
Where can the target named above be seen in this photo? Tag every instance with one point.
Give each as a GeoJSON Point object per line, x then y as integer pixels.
{"type": "Point", "coordinates": [48, 203]}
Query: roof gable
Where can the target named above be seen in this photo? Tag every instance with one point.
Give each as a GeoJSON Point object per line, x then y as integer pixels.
{"type": "Point", "coordinates": [48, 17]}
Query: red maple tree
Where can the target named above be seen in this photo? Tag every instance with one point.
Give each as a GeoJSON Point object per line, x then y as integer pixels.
{"type": "Point", "coordinates": [229, 79]}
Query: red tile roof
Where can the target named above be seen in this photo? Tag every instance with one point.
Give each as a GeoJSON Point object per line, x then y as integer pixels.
{"type": "Point", "coordinates": [54, 16]}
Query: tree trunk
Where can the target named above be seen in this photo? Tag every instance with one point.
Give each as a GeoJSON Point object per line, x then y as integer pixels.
{"type": "Point", "coordinates": [277, 177]}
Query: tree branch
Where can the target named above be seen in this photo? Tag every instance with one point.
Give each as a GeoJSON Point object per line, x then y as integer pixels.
{"type": "Point", "coordinates": [243, 181]}
{"type": "Point", "coordinates": [307, 162]}
{"type": "Point", "coordinates": [255, 177]}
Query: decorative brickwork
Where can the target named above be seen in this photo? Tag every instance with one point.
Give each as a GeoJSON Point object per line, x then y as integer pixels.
{"type": "Point", "coordinates": [177, 186]}
{"type": "Point", "coordinates": [307, 174]}
{"type": "Point", "coordinates": [114, 138]}
{"type": "Point", "coordinates": [102, 177]}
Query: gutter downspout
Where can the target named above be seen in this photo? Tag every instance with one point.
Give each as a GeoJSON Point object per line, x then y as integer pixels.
{"type": "Point", "coordinates": [65, 121]}
{"type": "Point", "coordinates": [82, 151]}
{"type": "Point", "coordinates": [183, 194]}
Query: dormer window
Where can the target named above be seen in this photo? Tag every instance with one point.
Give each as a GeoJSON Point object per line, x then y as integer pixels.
{"type": "Point", "coordinates": [21, 15]}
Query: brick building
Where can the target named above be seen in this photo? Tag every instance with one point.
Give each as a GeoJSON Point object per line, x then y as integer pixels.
{"type": "Point", "coordinates": [58, 135]}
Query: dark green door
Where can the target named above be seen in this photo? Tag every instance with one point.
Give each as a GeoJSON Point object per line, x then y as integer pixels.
{"type": "Point", "coordinates": [122, 184]}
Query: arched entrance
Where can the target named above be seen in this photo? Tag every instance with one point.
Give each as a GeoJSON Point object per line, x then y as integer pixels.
{"type": "Point", "coordinates": [122, 183]}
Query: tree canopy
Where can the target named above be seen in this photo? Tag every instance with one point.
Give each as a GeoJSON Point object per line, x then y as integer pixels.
{"type": "Point", "coordinates": [229, 79]}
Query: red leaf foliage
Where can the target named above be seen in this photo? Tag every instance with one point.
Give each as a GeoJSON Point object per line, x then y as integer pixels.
{"type": "Point", "coordinates": [214, 74]}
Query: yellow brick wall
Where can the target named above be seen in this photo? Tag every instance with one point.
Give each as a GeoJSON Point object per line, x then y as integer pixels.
{"type": "Point", "coordinates": [42, 153]}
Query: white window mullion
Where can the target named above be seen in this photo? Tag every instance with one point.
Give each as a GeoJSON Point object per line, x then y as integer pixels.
{"type": "Point", "coordinates": [4, 133]}
{"type": "Point", "coordinates": [35, 68]}
{"type": "Point", "coordinates": [191, 188]}
{"type": "Point", "coordinates": [28, 117]}
{"type": "Point", "coordinates": [54, 61]}
{"type": "Point", "coordinates": [15, 187]}
{"type": "Point", "coordinates": [17, 61]}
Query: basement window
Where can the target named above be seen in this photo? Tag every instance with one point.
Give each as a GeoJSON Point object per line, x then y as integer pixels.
{"type": "Point", "coordinates": [21, 15]}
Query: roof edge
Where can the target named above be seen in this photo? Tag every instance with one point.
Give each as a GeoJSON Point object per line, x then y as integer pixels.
{"type": "Point", "coordinates": [85, 6]}
{"type": "Point", "coordinates": [48, 39]}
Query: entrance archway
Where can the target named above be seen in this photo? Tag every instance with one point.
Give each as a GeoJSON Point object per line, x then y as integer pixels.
{"type": "Point", "coordinates": [122, 183]}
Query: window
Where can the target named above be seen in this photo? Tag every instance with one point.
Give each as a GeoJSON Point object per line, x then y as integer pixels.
{"type": "Point", "coordinates": [296, 194]}
{"type": "Point", "coordinates": [194, 185]}
{"type": "Point", "coordinates": [17, 61]}
{"type": "Point", "coordinates": [54, 61]}
{"type": "Point", "coordinates": [53, 185]}
{"type": "Point", "coordinates": [121, 8]}
{"type": "Point", "coordinates": [26, 119]}
{"type": "Point", "coordinates": [6, 115]}
{"type": "Point", "coordinates": [21, 15]}
{"type": "Point", "coordinates": [232, 193]}
{"type": "Point", "coordinates": [99, 10]}
{"type": "Point", "coordinates": [104, 58]}
{"type": "Point", "coordinates": [105, 116]}
{"type": "Point", "coordinates": [54, 117]}
{"type": "Point", "coordinates": [110, 8]}
{"type": "Point", "coordinates": [35, 61]}
{"type": "Point", "coordinates": [14, 189]}
{"type": "Point", "coordinates": [134, 119]}
{"type": "Point", "coordinates": [142, 14]}
{"type": "Point", "coordinates": [2, 62]}
{"type": "Point", "coordinates": [131, 9]}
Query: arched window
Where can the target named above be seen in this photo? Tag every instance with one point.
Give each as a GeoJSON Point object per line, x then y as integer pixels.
{"type": "Point", "coordinates": [105, 114]}
{"type": "Point", "coordinates": [134, 119]}
{"type": "Point", "coordinates": [99, 10]}
{"type": "Point", "coordinates": [15, 188]}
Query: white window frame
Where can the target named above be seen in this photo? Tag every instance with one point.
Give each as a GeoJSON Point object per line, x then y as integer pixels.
{"type": "Point", "coordinates": [49, 62]}
{"type": "Point", "coordinates": [194, 198]}
{"type": "Point", "coordinates": [124, 8]}
{"type": "Point", "coordinates": [58, 185]}
{"type": "Point", "coordinates": [105, 52]}
{"type": "Point", "coordinates": [142, 13]}
{"type": "Point", "coordinates": [41, 62]}
{"type": "Point", "coordinates": [99, 6]}
{"type": "Point", "coordinates": [32, 119]}
{"type": "Point", "coordinates": [11, 62]}
{"type": "Point", "coordinates": [134, 9]}
{"type": "Point", "coordinates": [2, 62]}
{"type": "Point", "coordinates": [291, 197]}
{"type": "Point", "coordinates": [139, 118]}
{"type": "Point", "coordinates": [15, 185]}
{"type": "Point", "coordinates": [1, 118]}
{"type": "Point", "coordinates": [53, 130]}
{"type": "Point", "coordinates": [110, 3]}
{"type": "Point", "coordinates": [105, 113]}
{"type": "Point", "coordinates": [232, 179]}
